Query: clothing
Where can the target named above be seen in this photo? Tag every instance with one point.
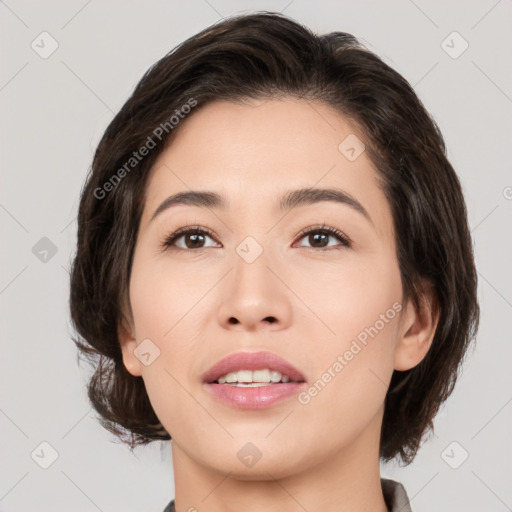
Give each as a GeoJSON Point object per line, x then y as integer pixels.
{"type": "Point", "coordinates": [394, 495]}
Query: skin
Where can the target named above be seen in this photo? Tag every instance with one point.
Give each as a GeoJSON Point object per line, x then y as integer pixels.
{"type": "Point", "coordinates": [323, 455]}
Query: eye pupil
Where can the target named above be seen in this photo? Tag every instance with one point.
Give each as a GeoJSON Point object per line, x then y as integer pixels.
{"type": "Point", "coordinates": [317, 237]}
{"type": "Point", "coordinates": [195, 237]}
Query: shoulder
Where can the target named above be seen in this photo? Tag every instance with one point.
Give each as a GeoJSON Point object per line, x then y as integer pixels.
{"type": "Point", "coordinates": [169, 507]}
{"type": "Point", "coordinates": [395, 496]}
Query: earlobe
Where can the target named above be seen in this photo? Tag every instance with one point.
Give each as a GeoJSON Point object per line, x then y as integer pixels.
{"type": "Point", "coordinates": [418, 327]}
{"type": "Point", "coordinates": [128, 343]}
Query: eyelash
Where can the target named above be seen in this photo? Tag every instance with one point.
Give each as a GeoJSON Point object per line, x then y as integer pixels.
{"type": "Point", "coordinates": [169, 241]}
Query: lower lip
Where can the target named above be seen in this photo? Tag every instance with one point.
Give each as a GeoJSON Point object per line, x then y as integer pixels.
{"type": "Point", "coordinates": [254, 398]}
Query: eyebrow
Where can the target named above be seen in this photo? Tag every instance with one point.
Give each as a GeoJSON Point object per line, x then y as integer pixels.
{"type": "Point", "coordinates": [290, 200]}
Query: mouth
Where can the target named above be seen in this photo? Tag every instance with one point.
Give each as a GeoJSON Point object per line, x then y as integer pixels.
{"type": "Point", "coordinates": [256, 378]}
{"type": "Point", "coordinates": [249, 380]}
{"type": "Point", "coordinates": [252, 369]}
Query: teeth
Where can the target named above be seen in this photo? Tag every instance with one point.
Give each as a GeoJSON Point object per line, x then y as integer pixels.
{"type": "Point", "coordinates": [249, 385]}
{"type": "Point", "coordinates": [257, 376]}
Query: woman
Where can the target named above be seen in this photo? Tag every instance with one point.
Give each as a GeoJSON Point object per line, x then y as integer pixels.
{"type": "Point", "coordinates": [274, 270]}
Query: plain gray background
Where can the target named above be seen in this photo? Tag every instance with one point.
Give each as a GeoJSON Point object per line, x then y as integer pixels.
{"type": "Point", "coordinates": [54, 111]}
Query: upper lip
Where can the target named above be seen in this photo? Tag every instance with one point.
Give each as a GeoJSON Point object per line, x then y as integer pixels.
{"type": "Point", "coordinates": [252, 361]}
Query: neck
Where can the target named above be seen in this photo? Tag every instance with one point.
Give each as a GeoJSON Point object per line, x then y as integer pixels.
{"type": "Point", "coordinates": [345, 480]}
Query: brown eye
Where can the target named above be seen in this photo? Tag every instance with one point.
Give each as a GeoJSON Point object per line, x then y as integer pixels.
{"type": "Point", "coordinates": [318, 238]}
{"type": "Point", "coordinates": [193, 240]}
{"type": "Point", "coordinates": [188, 238]}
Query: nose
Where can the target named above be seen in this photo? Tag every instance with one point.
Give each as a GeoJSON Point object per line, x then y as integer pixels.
{"type": "Point", "coordinates": [254, 297]}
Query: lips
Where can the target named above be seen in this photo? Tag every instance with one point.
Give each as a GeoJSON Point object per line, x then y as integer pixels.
{"type": "Point", "coordinates": [252, 361]}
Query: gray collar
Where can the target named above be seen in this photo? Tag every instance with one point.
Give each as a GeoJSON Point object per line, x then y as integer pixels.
{"type": "Point", "coordinates": [394, 495]}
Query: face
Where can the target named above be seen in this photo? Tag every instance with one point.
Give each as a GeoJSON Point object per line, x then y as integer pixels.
{"type": "Point", "coordinates": [317, 284]}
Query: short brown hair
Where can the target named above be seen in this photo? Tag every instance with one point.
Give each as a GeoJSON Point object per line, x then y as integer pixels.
{"type": "Point", "coordinates": [266, 55]}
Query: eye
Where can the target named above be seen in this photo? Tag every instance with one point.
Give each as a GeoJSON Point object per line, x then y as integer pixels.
{"type": "Point", "coordinates": [193, 238]}
{"type": "Point", "coordinates": [319, 237]}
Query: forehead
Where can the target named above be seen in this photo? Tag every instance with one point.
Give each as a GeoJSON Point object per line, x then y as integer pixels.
{"type": "Point", "coordinates": [253, 153]}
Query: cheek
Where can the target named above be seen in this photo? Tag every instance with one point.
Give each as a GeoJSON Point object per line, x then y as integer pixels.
{"type": "Point", "coordinates": [353, 368]}
{"type": "Point", "coordinates": [166, 302]}
{"type": "Point", "coordinates": [359, 307]}
{"type": "Point", "coordinates": [161, 294]}
{"type": "Point", "coordinates": [158, 304]}
{"type": "Point", "coordinates": [351, 295]}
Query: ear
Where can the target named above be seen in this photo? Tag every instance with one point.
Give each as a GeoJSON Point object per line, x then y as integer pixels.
{"type": "Point", "coordinates": [417, 328]}
{"type": "Point", "coordinates": [128, 342]}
